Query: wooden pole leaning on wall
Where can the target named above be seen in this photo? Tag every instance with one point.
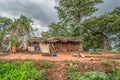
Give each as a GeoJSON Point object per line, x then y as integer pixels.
{"type": "Point", "coordinates": [69, 48]}
{"type": "Point", "coordinates": [61, 48]}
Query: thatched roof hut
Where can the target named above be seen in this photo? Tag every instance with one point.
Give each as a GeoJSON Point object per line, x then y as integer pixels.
{"type": "Point", "coordinates": [57, 44]}
{"type": "Point", "coordinates": [56, 39]}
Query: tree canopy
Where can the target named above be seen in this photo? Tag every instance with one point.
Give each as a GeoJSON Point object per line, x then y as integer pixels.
{"type": "Point", "coordinates": [14, 31]}
{"type": "Point", "coordinates": [98, 32]}
{"type": "Point", "coordinates": [21, 27]}
{"type": "Point", "coordinates": [74, 10]}
{"type": "Point", "coordinates": [107, 26]}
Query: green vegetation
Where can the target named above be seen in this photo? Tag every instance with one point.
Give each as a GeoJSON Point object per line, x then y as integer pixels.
{"type": "Point", "coordinates": [20, 71]}
{"type": "Point", "coordinates": [75, 72]}
{"type": "Point", "coordinates": [71, 68]}
{"type": "Point", "coordinates": [99, 32]}
{"type": "Point", "coordinates": [88, 76]}
{"type": "Point", "coordinates": [14, 32]}
{"type": "Point", "coordinates": [115, 75]}
{"type": "Point", "coordinates": [106, 63]}
{"type": "Point", "coordinates": [46, 64]}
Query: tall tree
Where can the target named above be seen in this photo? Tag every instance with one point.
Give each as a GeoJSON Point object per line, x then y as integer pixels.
{"type": "Point", "coordinates": [21, 27]}
{"type": "Point", "coordinates": [70, 14]}
{"type": "Point", "coordinates": [5, 23]}
{"type": "Point", "coordinates": [106, 26]}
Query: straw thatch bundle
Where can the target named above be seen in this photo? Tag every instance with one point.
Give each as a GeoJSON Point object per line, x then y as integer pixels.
{"type": "Point", "coordinates": [56, 39]}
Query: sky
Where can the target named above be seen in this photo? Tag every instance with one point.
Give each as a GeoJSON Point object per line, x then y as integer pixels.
{"type": "Point", "coordinates": [42, 12]}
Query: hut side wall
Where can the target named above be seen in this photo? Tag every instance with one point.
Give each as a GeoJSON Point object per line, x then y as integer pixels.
{"type": "Point", "coordinates": [64, 47]}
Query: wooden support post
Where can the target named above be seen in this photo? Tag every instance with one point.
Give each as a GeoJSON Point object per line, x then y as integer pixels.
{"type": "Point", "coordinates": [61, 48]}
{"type": "Point", "coordinates": [69, 47]}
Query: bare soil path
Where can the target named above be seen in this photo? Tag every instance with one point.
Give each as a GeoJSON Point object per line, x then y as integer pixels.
{"type": "Point", "coordinates": [63, 57]}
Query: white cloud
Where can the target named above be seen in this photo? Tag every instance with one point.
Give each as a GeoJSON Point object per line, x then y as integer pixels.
{"type": "Point", "coordinates": [42, 11]}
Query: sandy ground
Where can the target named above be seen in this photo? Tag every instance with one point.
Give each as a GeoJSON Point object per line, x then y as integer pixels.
{"type": "Point", "coordinates": [62, 56]}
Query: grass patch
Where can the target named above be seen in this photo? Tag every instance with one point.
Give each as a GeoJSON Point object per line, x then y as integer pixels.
{"type": "Point", "coordinates": [71, 68]}
{"type": "Point", "coordinates": [46, 64]}
{"type": "Point", "coordinates": [106, 63]}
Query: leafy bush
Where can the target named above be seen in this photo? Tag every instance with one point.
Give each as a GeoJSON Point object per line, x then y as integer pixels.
{"type": "Point", "coordinates": [115, 75]}
{"type": "Point", "coordinates": [94, 75]}
{"type": "Point", "coordinates": [88, 76]}
{"type": "Point", "coordinates": [19, 71]}
{"type": "Point", "coordinates": [73, 76]}
{"type": "Point", "coordinates": [46, 64]}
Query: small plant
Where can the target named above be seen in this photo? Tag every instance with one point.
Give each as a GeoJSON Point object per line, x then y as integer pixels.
{"type": "Point", "coordinates": [71, 68]}
{"type": "Point", "coordinates": [106, 63]}
{"type": "Point", "coordinates": [73, 76]}
{"type": "Point", "coordinates": [41, 75]}
{"type": "Point", "coordinates": [46, 64]}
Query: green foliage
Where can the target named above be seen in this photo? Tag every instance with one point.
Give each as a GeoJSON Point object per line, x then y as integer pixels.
{"type": "Point", "coordinates": [88, 76]}
{"type": "Point", "coordinates": [20, 71]}
{"type": "Point", "coordinates": [56, 29]}
{"type": "Point", "coordinates": [71, 68]}
{"type": "Point", "coordinates": [14, 32]}
{"type": "Point", "coordinates": [73, 76]}
{"type": "Point", "coordinates": [72, 10]}
{"type": "Point", "coordinates": [13, 40]}
{"type": "Point", "coordinates": [2, 35]}
{"type": "Point", "coordinates": [5, 23]}
{"type": "Point", "coordinates": [115, 75]}
{"type": "Point", "coordinates": [107, 27]}
{"type": "Point", "coordinates": [73, 73]}
{"type": "Point", "coordinates": [21, 27]}
{"type": "Point", "coordinates": [46, 64]}
{"type": "Point", "coordinates": [106, 63]}
{"type": "Point", "coordinates": [70, 13]}
{"type": "Point", "coordinates": [96, 75]}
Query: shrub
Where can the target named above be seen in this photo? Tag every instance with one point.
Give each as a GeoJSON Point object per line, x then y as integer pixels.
{"type": "Point", "coordinates": [115, 75]}
{"type": "Point", "coordinates": [87, 76]}
{"type": "Point", "coordinates": [96, 75]}
{"type": "Point", "coordinates": [73, 76]}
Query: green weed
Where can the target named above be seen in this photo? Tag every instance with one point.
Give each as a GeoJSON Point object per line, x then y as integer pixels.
{"type": "Point", "coordinates": [106, 63]}
{"type": "Point", "coordinates": [71, 68]}
{"type": "Point", "coordinates": [46, 64]}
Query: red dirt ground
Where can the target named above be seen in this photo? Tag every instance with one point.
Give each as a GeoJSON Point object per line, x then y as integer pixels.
{"type": "Point", "coordinates": [58, 71]}
{"type": "Point", "coordinates": [63, 57]}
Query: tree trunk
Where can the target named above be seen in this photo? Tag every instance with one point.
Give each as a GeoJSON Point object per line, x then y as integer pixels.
{"type": "Point", "coordinates": [106, 45]}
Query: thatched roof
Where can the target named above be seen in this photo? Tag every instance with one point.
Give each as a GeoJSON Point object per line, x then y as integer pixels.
{"type": "Point", "coordinates": [56, 39]}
